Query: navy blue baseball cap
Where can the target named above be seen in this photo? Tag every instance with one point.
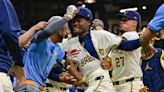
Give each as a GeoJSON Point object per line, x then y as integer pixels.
{"type": "Point", "coordinates": [131, 15]}
{"type": "Point", "coordinates": [85, 12]}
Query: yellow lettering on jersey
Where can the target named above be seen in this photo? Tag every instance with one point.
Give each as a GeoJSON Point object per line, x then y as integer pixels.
{"type": "Point", "coordinates": [101, 51]}
{"type": "Point", "coordinates": [147, 67]}
{"type": "Point", "coordinates": [118, 51]}
{"type": "Point", "coordinates": [86, 60]}
{"type": "Point", "coordinates": [162, 59]}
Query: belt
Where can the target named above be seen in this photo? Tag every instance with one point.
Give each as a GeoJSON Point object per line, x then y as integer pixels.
{"type": "Point", "coordinates": [124, 81]}
{"type": "Point", "coordinates": [63, 88]}
{"type": "Point", "coordinates": [99, 78]}
{"type": "Point", "coordinates": [49, 85]}
{"type": "Point", "coordinates": [30, 82]}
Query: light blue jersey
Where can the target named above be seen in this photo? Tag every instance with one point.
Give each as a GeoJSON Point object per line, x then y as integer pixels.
{"type": "Point", "coordinates": [157, 23]}
{"type": "Point", "coordinates": [40, 58]}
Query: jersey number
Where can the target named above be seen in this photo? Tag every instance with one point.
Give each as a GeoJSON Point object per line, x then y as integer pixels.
{"type": "Point", "coordinates": [119, 61]}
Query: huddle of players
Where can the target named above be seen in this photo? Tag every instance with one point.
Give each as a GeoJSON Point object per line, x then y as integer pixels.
{"type": "Point", "coordinates": [90, 50]}
{"type": "Point", "coordinates": [127, 73]}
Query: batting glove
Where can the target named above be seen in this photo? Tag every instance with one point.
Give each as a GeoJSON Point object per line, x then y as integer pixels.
{"type": "Point", "coordinates": [71, 11]}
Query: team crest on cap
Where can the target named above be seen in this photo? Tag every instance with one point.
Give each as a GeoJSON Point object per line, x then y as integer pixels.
{"type": "Point", "coordinates": [135, 17]}
{"type": "Point", "coordinates": [88, 15]}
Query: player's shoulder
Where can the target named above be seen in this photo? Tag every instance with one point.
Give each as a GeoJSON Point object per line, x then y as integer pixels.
{"type": "Point", "coordinates": [73, 39]}
{"type": "Point", "coordinates": [70, 40]}
{"type": "Point", "coordinates": [101, 32]}
{"type": "Point", "coordinates": [131, 35]}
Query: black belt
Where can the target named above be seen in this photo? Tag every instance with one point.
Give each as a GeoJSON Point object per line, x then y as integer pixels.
{"type": "Point", "coordinates": [123, 81]}
{"type": "Point", "coordinates": [49, 85]}
{"type": "Point", "coordinates": [99, 78]}
{"type": "Point", "coordinates": [63, 88]}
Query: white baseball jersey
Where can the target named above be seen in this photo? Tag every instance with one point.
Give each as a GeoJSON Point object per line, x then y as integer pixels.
{"type": "Point", "coordinates": [90, 67]}
{"type": "Point", "coordinates": [126, 64]}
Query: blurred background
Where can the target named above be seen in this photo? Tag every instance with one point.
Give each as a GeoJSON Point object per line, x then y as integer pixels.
{"type": "Point", "coordinates": [32, 11]}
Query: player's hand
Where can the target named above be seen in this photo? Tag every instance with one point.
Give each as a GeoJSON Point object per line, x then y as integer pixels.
{"type": "Point", "coordinates": [144, 89]}
{"type": "Point", "coordinates": [39, 26]}
{"type": "Point", "coordinates": [106, 63]}
{"type": "Point", "coordinates": [71, 12]}
{"type": "Point", "coordinates": [65, 78]}
{"type": "Point", "coordinates": [27, 45]}
{"type": "Point", "coordinates": [72, 53]}
{"type": "Point", "coordinates": [149, 53]}
{"type": "Point", "coordinates": [19, 73]}
{"type": "Point", "coordinates": [68, 79]}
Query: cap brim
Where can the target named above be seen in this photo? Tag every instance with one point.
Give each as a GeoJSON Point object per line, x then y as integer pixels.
{"type": "Point", "coordinates": [80, 16]}
{"type": "Point", "coordinates": [121, 15]}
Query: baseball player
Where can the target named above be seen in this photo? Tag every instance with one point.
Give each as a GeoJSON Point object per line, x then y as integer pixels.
{"type": "Point", "coordinates": [58, 79]}
{"type": "Point", "coordinates": [155, 25]}
{"type": "Point", "coordinates": [153, 69]}
{"type": "Point", "coordinates": [127, 73]}
{"type": "Point", "coordinates": [94, 46]}
{"type": "Point", "coordinates": [9, 26]}
{"type": "Point", "coordinates": [43, 53]}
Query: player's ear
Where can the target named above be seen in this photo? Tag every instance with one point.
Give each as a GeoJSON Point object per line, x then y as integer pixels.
{"type": "Point", "coordinates": [89, 23]}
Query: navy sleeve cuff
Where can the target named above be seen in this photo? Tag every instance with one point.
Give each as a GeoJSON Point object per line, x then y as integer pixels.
{"type": "Point", "coordinates": [129, 45]}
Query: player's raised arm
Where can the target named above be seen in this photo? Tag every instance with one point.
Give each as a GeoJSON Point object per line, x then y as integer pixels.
{"type": "Point", "coordinates": [54, 26]}
{"type": "Point", "coordinates": [72, 69]}
{"type": "Point", "coordinates": [24, 38]}
{"type": "Point", "coordinates": [155, 25]}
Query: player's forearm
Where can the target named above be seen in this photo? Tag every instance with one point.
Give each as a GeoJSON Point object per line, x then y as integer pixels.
{"type": "Point", "coordinates": [146, 37]}
{"type": "Point", "coordinates": [25, 38]}
{"type": "Point", "coordinates": [52, 28]}
{"type": "Point", "coordinates": [13, 47]}
{"type": "Point", "coordinates": [73, 71]}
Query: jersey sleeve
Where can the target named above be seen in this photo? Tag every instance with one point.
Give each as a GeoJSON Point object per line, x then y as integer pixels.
{"type": "Point", "coordinates": [8, 17]}
{"type": "Point", "coordinates": [112, 41]}
{"type": "Point", "coordinates": [157, 23]}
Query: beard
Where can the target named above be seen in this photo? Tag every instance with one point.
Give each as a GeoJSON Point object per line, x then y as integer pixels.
{"type": "Point", "coordinates": [60, 38]}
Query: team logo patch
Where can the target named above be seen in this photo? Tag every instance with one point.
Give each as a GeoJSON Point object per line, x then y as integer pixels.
{"type": "Point", "coordinates": [148, 67]}
{"type": "Point", "coordinates": [101, 51]}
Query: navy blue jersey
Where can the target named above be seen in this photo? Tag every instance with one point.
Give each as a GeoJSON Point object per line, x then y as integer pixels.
{"type": "Point", "coordinates": [9, 26]}
{"type": "Point", "coordinates": [153, 72]}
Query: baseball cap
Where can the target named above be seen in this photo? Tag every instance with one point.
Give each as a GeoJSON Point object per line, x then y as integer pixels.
{"type": "Point", "coordinates": [85, 12]}
{"type": "Point", "coordinates": [131, 15]}
{"type": "Point", "coordinates": [54, 18]}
